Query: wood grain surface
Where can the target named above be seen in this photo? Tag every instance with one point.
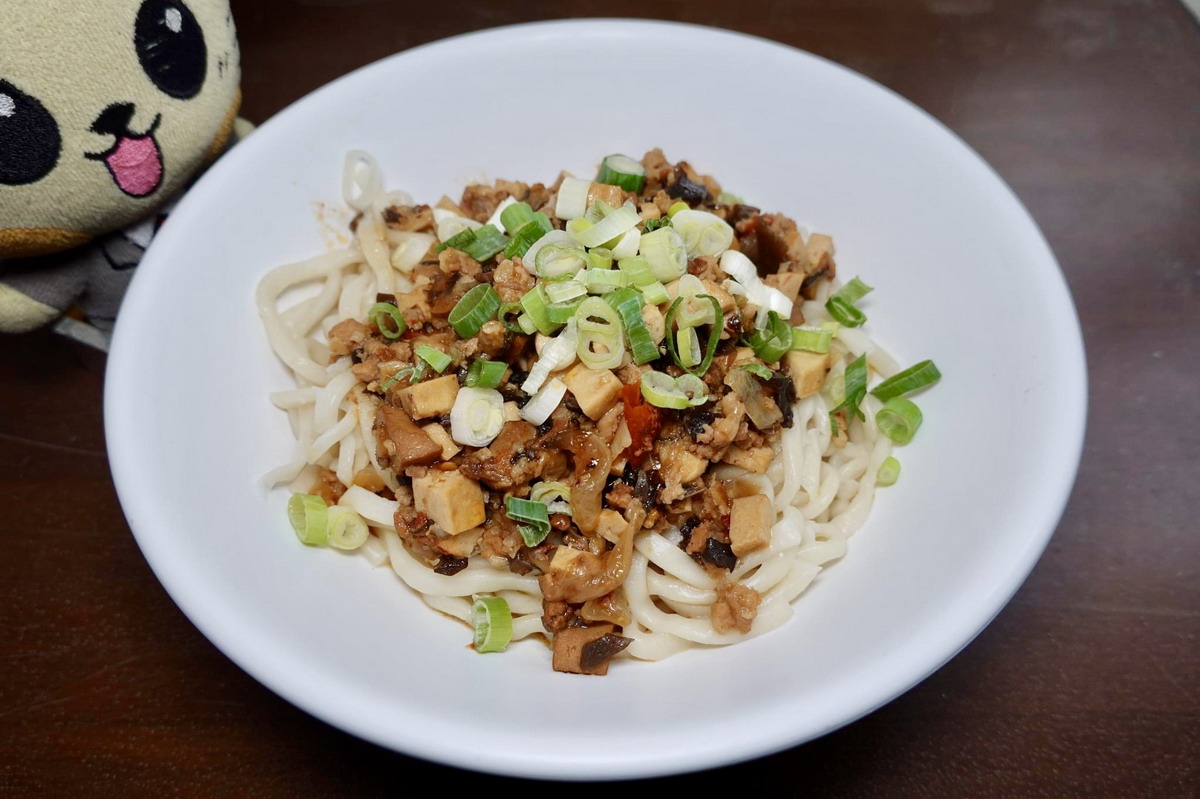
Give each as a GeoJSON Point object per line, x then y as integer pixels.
{"type": "Point", "coordinates": [1087, 684]}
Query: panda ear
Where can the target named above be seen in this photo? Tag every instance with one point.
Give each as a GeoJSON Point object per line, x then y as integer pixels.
{"type": "Point", "coordinates": [170, 47]}
{"type": "Point", "coordinates": [30, 141]}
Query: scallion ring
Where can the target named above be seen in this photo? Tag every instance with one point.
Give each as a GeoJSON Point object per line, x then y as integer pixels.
{"type": "Point", "coordinates": [662, 390]}
{"type": "Point", "coordinates": [888, 473]}
{"type": "Point", "coordinates": [434, 357]}
{"type": "Point", "coordinates": [907, 381]}
{"type": "Point", "coordinates": [623, 171]}
{"type": "Point", "coordinates": [347, 530]}
{"type": "Point", "coordinates": [492, 620]}
{"type": "Point", "coordinates": [899, 419]}
{"type": "Point", "coordinates": [385, 310]}
{"type": "Point", "coordinates": [309, 516]}
{"type": "Point", "coordinates": [601, 334]}
{"type": "Point", "coordinates": [475, 308]}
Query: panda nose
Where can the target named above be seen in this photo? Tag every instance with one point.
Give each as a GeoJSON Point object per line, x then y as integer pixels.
{"type": "Point", "coordinates": [114, 120]}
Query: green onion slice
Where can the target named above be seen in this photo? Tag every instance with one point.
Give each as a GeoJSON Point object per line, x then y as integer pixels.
{"type": "Point", "coordinates": [889, 472]}
{"type": "Point", "coordinates": [523, 239]}
{"type": "Point", "coordinates": [661, 390]}
{"type": "Point", "coordinates": [905, 382]}
{"type": "Point", "coordinates": [727, 198]}
{"type": "Point", "coordinates": [458, 240]}
{"type": "Point", "coordinates": [689, 347]}
{"type": "Point", "coordinates": [533, 516]}
{"type": "Point", "coordinates": [845, 313]}
{"type": "Point", "coordinates": [347, 530]}
{"type": "Point", "coordinates": [676, 207]}
{"type": "Point", "coordinates": [638, 269]}
{"type": "Point", "coordinates": [601, 334]}
{"type": "Point", "coordinates": [516, 216]}
{"type": "Point", "coordinates": [771, 342]}
{"type": "Point", "coordinates": [811, 339]}
{"type": "Point", "coordinates": [602, 281]}
{"type": "Point", "coordinates": [899, 419]}
{"type": "Point", "coordinates": [853, 291]}
{"type": "Point", "coordinates": [628, 303]}
{"type": "Point", "coordinates": [702, 233]}
{"type": "Point", "coordinates": [565, 290]}
{"type": "Point", "coordinates": [492, 620]}
{"type": "Point", "coordinates": [534, 302]}
{"type": "Point", "coordinates": [693, 388]}
{"type": "Point", "coordinates": [396, 378]}
{"type": "Point", "coordinates": [554, 495]}
{"type": "Point", "coordinates": [508, 314]}
{"type": "Point", "coordinates": [526, 324]}
{"type": "Point", "coordinates": [665, 252]}
{"type": "Point", "coordinates": [623, 171]}
{"type": "Point", "coordinates": [484, 373]}
{"type": "Point", "coordinates": [856, 388]}
{"type": "Point", "coordinates": [655, 293]}
{"type": "Point", "coordinates": [559, 262]}
{"type": "Point", "coordinates": [385, 310]}
{"type": "Point", "coordinates": [434, 357]}
{"type": "Point", "coordinates": [475, 308]}
{"type": "Point", "coordinates": [758, 370]}
{"type": "Point", "coordinates": [488, 241]}
{"type": "Point", "coordinates": [610, 227]}
{"type": "Point", "coordinates": [600, 258]}
{"type": "Point", "coordinates": [309, 516]}
{"type": "Point", "coordinates": [563, 312]}
{"type": "Point", "coordinates": [654, 224]}
{"type": "Point", "coordinates": [714, 336]}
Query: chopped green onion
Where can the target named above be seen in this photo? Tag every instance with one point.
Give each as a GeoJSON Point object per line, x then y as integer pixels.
{"type": "Point", "coordinates": [582, 223]}
{"type": "Point", "coordinates": [714, 335]}
{"type": "Point", "coordinates": [507, 316]}
{"type": "Point", "coordinates": [693, 312]}
{"type": "Point", "coordinates": [523, 239]}
{"type": "Point", "coordinates": [758, 370]}
{"type": "Point", "coordinates": [628, 304]}
{"type": "Point", "coordinates": [527, 325]}
{"type": "Point", "coordinates": [516, 216]}
{"type": "Point", "coordinates": [625, 246]}
{"type": "Point", "coordinates": [655, 293]}
{"type": "Point", "coordinates": [309, 516]}
{"type": "Point", "coordinates": [526, 511]}
{"type": "Point", "coordinates": [477, 306]}
{"type": "Point", "coordinates": [726, 198]}
{"type": "Point", "coordinates": [665, 252]}
{"type": "Point", "coordinates": [434, 357]}
{"type": "Point", "coordinates": [563, 312]}
{"type": "Point", "coordinates": [487, 242]}
{"type": "Point", "coordinates": [600, 258]}
{"type": "Point", "coordinates": [601, 335]}
{"type": "Point", "coordinates": [602, 281]}
{"type": "Point", "coordinates": [555, 496]}
{"type": "Point", "coordinates": [811, 339]}
{"type": "Point", "coordinates": [381, 310]}
{"type": "Point", "coordinates": [654, 224]}
{"type": "Point", "coordinates": [899, 419]}
{"type": "Point", "coordinates": [458, 240]}
{"type": "Point", "coordinates": [477, 416]}
{"type": "Point", "coordinates": [841, 305]}
{"type": "Point", "coordinates": [623, 171]}
{"type": "Point", "coordinates": [559, 262]}
{"type": "Point", "coordinates": [565, 290]}
{"type": "Point", "coordinates": [572, 198]}
{"type": "Point", "coordinates": [638, 269]}
{"type": "Point", "coordinates": [492, 620]}
{"type": "Point", "coordinates": [845, 313]}
{"type": "Point", "coordinates": [702, 233]}
{"type": "Point", "coordinates": [396, 378]}
{"type": "Point", "coordinates": [693, 388]}
{"type": "Point", "coordinates": [534, 302]}
{"type": "Point", "coordinates": [661, 390]}
{"type": "Point", "coordinates": [853, 291]}
{"type": "Point", "coordinates": [855, 388]}
{"type": "Point", "coordinates": [889, 472]}
{"type": "Point", "coordinates": [774, 340]}
{"type": "Point", "coordinates": [484, 373]}
{"type": "Point", "coordinates": [347, 530]}
{"type": "Point", "coordinates": [544, 401]}
{"type": "Point", "coordinates": [905, 382]}
{"type": "Point", "coordinates": [689, 347]}
{"type": "Point", "coordinates": [611, 226]}
{"type": "Point", "coordinates": [676, 207]}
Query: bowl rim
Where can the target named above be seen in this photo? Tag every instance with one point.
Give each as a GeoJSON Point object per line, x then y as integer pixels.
{"type": "Point", "coordinates": [120, 416]}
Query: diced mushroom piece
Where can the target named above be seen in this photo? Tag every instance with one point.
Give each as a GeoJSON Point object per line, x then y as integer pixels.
{"type": "Point", "coordinates": [452, 500]}
{"type": "Point", "coordinates": [808, 370]}
{"type": "Point", "coordinates": [612, 524]}
{"type": "Point", "coordinates": [587, 650]}
{"type": "Point", "coordinates": [346, 335]}
{"type": "Point", "coordinates": [440, 437]}
{"type": "Point", "coordinates": [403, 443]}
{"type": "Point", "coordinates": [754, 459]}
{"type": "Point", "coordinates": [750, 524]}
{"type": "Point", "coordinates": [594, 389]}
{"type": "Point", "coordinates": [431, 398]}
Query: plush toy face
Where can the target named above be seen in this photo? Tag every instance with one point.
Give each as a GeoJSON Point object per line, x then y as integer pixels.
{"type": "Point", "coordinates": [107, 109]}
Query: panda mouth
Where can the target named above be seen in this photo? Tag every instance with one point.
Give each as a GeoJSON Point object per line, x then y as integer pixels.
{"type": "Point", "coordinates": [134, 160]}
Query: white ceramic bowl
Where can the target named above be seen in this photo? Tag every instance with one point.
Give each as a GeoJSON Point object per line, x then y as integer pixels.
{"type": "Point", "coordinates": [961, 273]}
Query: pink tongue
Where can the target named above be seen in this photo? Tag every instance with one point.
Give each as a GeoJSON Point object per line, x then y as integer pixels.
{"type": "Point", "coordinates": [136, 165]}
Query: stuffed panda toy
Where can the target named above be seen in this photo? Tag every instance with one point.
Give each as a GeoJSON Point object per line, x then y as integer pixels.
{"type": "Point", "coordinates": [108, 110]}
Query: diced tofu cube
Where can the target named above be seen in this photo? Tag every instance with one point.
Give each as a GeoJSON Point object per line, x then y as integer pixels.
{"type": "Point", "coordinates": [431, 398]}
{"type": "Point", "coordinates": [512, 412]}
{"type": "Point", "coordinates": [611, 525]}
{"type": "Point", "coordinates": [750, 524]}
{"type": "Point", "coordinates": [787, 282]}
{"type": "Point", "coordinates": [755, 459]}
{"type": "Point", "coordinates": [452, 500]}
{"type": "Point", "coordinates": [461, 545]}
{"type": "Point", "coordinates": [808, 370]}
{"type": "Point", "coordinates": [564, 557]}
{"type": "Point", "coordinates": [569, 645]}
{"type": "Point", "coordinates": [679, 464]}
{"type": "Point", "coordinates": [440, 437]}
{"type": "Point", "coordinates": [594, 389]}
{"type": "Point", "coordinates": [820, 253]}
{"type": "Point", "coordinates": [656, 323]}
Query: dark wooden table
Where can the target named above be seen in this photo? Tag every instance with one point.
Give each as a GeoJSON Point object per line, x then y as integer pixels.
{"type": "Point", "coordinates": [1087, 684]}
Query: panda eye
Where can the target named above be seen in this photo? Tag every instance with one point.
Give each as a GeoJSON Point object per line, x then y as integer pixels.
{"type": "Point", "coordinates": [29, 138]}
{"type": "Point", "coordinates": [170, 47]}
